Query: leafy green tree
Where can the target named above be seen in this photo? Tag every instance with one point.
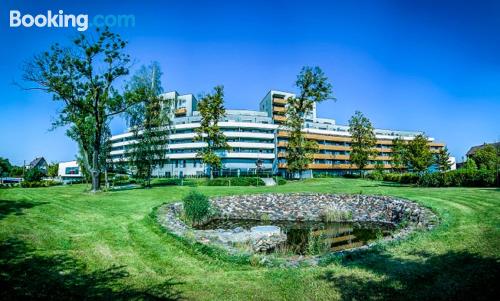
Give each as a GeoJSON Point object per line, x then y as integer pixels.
{"type": "Point", "coordinates": [398, 156]}
{"type": "Point", "coordinates": [419, 155]}
{"type": "Point", "coordinates": [82, 78]}
{"type": "Point", "coordinates": [150, 122]}
{"type": "Point", "coordinates": [363, 140]}
{"type": "Point", "coordinates": [487, 157]}
{"type": "Point", "coordinates": [470, 164]}
{"type": "Point", "coordinates": [33, 175]}
{"type": "Point", "coordinates": [313, 88]}
{"type": "Point", "coordinates": [211, 108]}
{"type": "Point", "coordinates": [53, 170]}
{"type": "Point", "coordinates": [442, 159]}
{"type": "Point", "coordinates": [5, 167]}
{"type": "Point", "coordinates": [16, 171]}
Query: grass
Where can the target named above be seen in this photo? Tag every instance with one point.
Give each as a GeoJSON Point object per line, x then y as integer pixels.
{"type": "Point", "coordinates": [65, 243]}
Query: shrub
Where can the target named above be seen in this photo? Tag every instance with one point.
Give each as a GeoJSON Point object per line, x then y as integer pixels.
{"type": "Point", "coordinates": [196, 207]}
{"type": "Point", "coordinates": [392, 177]}
{"type": "Point", "coordinates": [33, 175]}
{"type": "Point", "coordinates": [376, 175]}
{"type": "Point", "coordinates": [335, 215]}
{"type": "Point", "coordinates": [34, 184]}
{"type": "Point", "coordinates": [457, 178]}
{"type": "Point", "coordinates": [409, 178]}
{"type": "Point", "coordinates": [281, 181]}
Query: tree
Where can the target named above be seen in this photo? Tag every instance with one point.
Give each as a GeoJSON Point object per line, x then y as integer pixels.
{"type": "Point", "coordinates": [53, 170]}
{"type": "Point", "coordinates": [313, 88]}
{"type": "Point", "coordinates": [211, 108]}
{"type": "Point", "coordinates": [16, 171]}
{"type": "Point", "coordinates": [363, 140]}
{"type": "Point", "coordinates": [5, 167]}
{"type": "Point", "coordinates": [150, 122]}
{"type": "Point", "coordinates": [82, 78]}
{"type": "Point", "coordinates": [419, 155]}
{"type": "Point", "coordinates": [487, 157]}
{"type": "Point", "coordinates": [398, 156]}
{"type": "Point", "coordinates": [470, 164]}
{"type": "Point", "coordinates": [33, 175]}
{"type": "Point", "coordinates": [442, 159]}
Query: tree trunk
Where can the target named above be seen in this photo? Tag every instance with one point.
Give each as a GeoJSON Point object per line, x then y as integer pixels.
{"type": "Point", "coordinates": [106, 182]}
{"type": "Point", "coordinates": [95, 172]}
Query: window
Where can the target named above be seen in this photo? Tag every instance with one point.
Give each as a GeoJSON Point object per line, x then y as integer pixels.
{"type": "Point", "coordinates": [71, 170]}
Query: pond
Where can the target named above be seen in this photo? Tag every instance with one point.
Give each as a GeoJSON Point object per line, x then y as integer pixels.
{"type": "Point", "coordinates": [310, 238]}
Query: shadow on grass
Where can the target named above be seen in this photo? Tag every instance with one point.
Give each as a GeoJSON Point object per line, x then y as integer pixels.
{"type": "Point", "coordinates": [25, 275]}
{"type": "Point", "coordinates": [449, 276]}
{"type": "Point", "coordinates": [16, 207]}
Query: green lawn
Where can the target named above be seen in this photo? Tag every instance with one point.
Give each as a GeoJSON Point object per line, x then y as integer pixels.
{"type": "Point", "coordinates": [69, 244]}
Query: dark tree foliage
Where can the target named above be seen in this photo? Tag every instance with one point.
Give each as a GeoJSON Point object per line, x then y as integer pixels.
{"type": "Point", "coordinates": [150, 122]}
{"type": "Point", "coordinates": [82, 78]}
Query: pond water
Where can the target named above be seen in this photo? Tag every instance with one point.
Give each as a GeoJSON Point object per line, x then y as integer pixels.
{"type": "Point", "coordinates": [311, 238]}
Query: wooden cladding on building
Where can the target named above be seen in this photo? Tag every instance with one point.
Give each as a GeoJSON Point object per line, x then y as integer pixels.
{"type": "Point", "coordinates": [336, 166]}
{"type": "Point", "coordinates": [279, 101]}
{"type": "Point", "coordinates": [180, 112]}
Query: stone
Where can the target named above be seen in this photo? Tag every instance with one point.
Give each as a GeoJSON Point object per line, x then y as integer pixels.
{"type": "Point", "coordinates": [298, 206]}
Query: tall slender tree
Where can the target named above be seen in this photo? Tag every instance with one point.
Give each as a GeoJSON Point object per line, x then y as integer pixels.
{"type": "Point", "coordinates": [150, 122]}
{"type": "Point", "coordinates": [212, 111]}
{"type": "Point", "coordinates": [82, 78]}
{"type": "Point", "coordinates": [418, 154]}
{"type": "Point", "coordinates": [398, 156]}
{"type": "Point", "coordinates": [313, 88]}
{"type": "Point", "coordinates": [442, 159]}
{"type": "Point", "coordinates": [363, 140]}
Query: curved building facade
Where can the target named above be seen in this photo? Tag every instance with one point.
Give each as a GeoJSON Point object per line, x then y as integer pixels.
{"type": "Point", "coordinates": [258, 140]}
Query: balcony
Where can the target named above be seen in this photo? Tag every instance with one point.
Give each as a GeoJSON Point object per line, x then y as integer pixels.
{"type": "Point", "coordinates": [279, 101]}
{"type": "Point", "coordinates": [279, 110]}
{"type": "Point", "coordinates": [279, 118]}
{"type": "Point", "coordinates": [180, 112]}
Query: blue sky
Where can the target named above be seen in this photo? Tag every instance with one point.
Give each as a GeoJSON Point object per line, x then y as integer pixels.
{"type": "Point", "coordinates": [410, 65]}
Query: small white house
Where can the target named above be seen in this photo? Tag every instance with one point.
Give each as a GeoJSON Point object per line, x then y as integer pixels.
{"type": "Point", "coordinates": [69, 171]}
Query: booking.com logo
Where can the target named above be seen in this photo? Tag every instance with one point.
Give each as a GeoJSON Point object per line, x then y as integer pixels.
{"type": "Point", "coordinates": [62, 20]}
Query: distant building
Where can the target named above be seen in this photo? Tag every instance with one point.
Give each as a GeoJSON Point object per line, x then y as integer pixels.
{"type": "Point", "coordinates": [39, 163]}
{"type": "Point", "coordinates": [69, 171]}
{"type": "Point", "coordinates": [453, 163]}
{"type": "Point", "coordinates": [474, 149]}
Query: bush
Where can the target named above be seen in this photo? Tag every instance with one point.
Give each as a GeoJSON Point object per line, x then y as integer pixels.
{"type": "Point", "coordinates": [33, 175]}
{"type": "Point", "coordinates": [392, 177]}
{"type": "Point", "coordinates": [452, 178]}
{"type": "Point", "coordinates": [281, 181]}
{"type": "Point", "coordinates": [196, 207]}
{"type": "Point", "coordinates": [460, 177]}
{"type": "Point", "coordinates": [431, 180]}
{"type": "Point", "coordinates": [409, 178]}
{"type": "Point", "coordinates": [34, 184]}
{"type": "Point", "coordinates": [376, 175]}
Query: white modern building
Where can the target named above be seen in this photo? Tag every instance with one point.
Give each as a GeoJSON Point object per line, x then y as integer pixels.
{"type": "Point", "coordinates": [258, 140]}
{"type": "Point", "coordinates": [69, 171]}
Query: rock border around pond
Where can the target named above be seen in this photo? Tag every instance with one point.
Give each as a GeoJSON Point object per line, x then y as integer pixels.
{"type": "Point", "coordinates": [400, 213]}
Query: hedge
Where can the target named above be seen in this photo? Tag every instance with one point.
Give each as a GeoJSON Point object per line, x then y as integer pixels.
{"type": "Point", "coordinates": [34, 184]}
{"type": "Point", "coordinates": [452, 178]}
{"type": "Point", "coordinates": [243, 181]}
